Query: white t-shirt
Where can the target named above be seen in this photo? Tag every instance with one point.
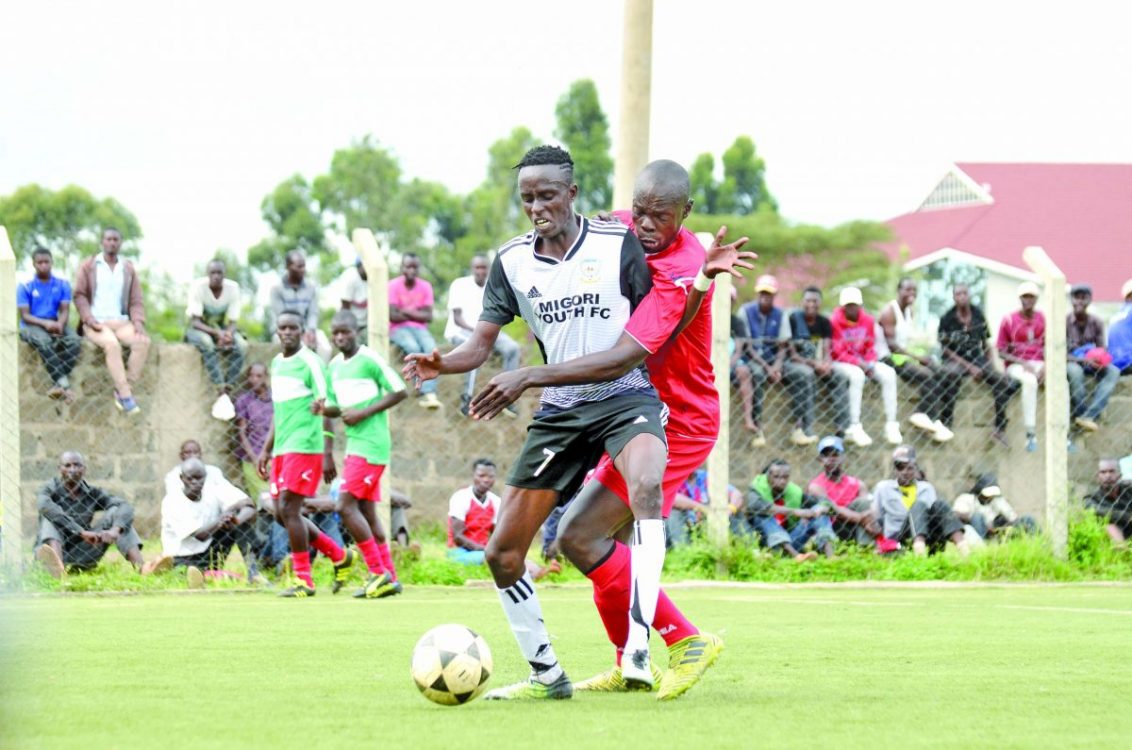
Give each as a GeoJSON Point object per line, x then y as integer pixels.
{"type": "Point", "coordinates": [968, 505]}
{"type": "Point", "coordinates": [109, 282]}
{"type": "Point", "coordinates": [217, 312]}
{"type": "Point", "coordinates": [467, 297]}
{"type": "Point", "coordinates": [180, 516]}
{"type": "Point", "coordinates": [461, 502]}
{"type": "Point", "coordinates": [355, 289]}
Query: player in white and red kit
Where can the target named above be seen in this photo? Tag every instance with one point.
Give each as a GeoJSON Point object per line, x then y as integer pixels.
{"type": "Point", "coordinates": [680, 369]}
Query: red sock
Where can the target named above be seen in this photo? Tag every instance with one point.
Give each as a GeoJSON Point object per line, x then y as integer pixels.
{"type": "Point", "coordinates": [387, 560]}
{"type": "Point", "coordinates": [611, 580]}
{"type": "Point", "coordinates": [670, 622]}
{"type": "Point", "coordinates": [329, 547]}
{"type": "Point", "coordinates": [301, 565]}
{"type": "Point", "coordinates": [372, 556]}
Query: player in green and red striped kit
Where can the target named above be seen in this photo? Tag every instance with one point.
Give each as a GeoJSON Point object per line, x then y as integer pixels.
{"type": "Point", "coordinates": [298, 390]}
{"type": "Point", "coordinates": [362, 388]}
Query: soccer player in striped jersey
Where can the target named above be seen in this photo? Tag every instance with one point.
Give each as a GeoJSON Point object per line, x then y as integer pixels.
{"type": "Point", "coordinates": [362, 388]}
{"type": "Point", "coordinates": [575, 282]}
{"type": "Point", "coordinates": [298, 392]}
{"type": "Point", "coordinates": [672, 334]}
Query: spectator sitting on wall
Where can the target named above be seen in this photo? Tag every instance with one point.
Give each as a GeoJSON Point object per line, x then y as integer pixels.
{"type": "Point", "coordinates": [465, 303]}
{"type": "Point", "coordinates": [1088, 358]}
{"type": "Point", "coordinates": [213, 311]}
{"type": "Point", "coordinates": [410, 312]}
{"type": "Point", "coordinates": [808, 362]}
{"type": "Point", "coordinates": [765, 350]}
{"type": "Point", "coordinates": [855, 357]}
{"type": "Point", "coordinates": [201, 522]}
{"type": "Point", "coordinates": [938, 387]}
{"type": "Point", "coordinates": [907, 509]}
{"type": "Point", "coordinates": [1112, 501]}
{"type": "Point", "coordinates": [1120, 333]}
{"type": "Point", "coordinates": [965, 340]}
{"type": "Point", "coordinates": [298, 293]}
{"type": "Point", "coordinates": [846, 496]}
{"type": "Point", "coordinates": [1021, 344]}
{"type": "Point", "coordinates": [254, 415]}
{"type": "Point", "coordinates": [355, 296]}
{"type": "Point", "coordinates": [985, 510]}
{"type": "Point", "coordinates": [108, 298]}
{"type": "Point", "coordinates": [69, 537]}
{"type": "Point", "coordinates": [785, 517]}
{"type": "Point", "coordinates": [472, 512]}
{"type": "Point", "coordinates": [44, 303]}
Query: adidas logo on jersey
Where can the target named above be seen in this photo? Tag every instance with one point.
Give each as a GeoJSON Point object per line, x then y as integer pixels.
{"type": "Point", "coordinates": [534, 293]}
{"type": "Point", "coordinates": [641, 419]}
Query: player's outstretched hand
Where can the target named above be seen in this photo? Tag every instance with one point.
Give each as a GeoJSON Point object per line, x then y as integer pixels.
{"type": "Point", "coordinates": [500, 392]}
{"type": "Point", "coordinates": [728, 257]}
{"type": "Point", "coordinates": [421, 367]}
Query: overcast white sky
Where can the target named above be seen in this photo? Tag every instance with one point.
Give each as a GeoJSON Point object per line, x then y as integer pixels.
{"type": "Point", "coordinates": [189, 113]}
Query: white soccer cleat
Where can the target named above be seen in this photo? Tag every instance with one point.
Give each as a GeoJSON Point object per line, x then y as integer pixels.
{"type": "Point", "coordinates": [892, 433]}
{"type": "Point", "coordinates": [636, 669]}
{"type": "Point", "coordinates": [941, 433]}
{"type": "Point", "coordinates": [923, 421]}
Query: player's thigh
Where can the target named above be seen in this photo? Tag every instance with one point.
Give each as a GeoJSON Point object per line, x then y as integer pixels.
{"type": "Point", "coordinates": [595, 514]}
{"type": "Point", "coordinates": [642, 462]}
{"type": "Point", "coordinates": [521, 513]}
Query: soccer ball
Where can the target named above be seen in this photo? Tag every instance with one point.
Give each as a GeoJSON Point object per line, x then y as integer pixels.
{"type": "Point", "coordinates": [451, 665]}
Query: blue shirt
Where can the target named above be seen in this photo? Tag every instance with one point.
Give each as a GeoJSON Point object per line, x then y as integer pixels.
{"type": "Point", "coordinates": [42, 298]}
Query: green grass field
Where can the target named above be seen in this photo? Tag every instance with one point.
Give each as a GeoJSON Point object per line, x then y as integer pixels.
{"type": "Point", "coordinates": [809, 666]}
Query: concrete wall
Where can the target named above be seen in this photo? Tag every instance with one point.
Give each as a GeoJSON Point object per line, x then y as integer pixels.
{"type": "Point", "coordinates": [433, 451]}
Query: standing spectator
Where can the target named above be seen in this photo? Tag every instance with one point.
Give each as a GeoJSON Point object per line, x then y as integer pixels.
{"type": "Point", "coordinates": [765, 350]}
{"type": "Point", "coordinates": [1112, 501]}
{"type": "Point", "coordinates": [908, 509]}
{"type": "Point", "coordinates": [1085, 344]}
{"type": "Point", "coordinates": [986, 511]}
{"type": "Point", "coordinates": [465, 303]}
{"type": "Point", "coordinates": [410, 312]}
{"type": "Point", "coordinates": [355, 296]}
{"type": "Point", "coordinates": [1120, 333]}
{"type": "Point", "coordinates": [254, 415]}
{"type": "Point", "coordinates": [965, 339]}
{"type": "Point", "coordinates": [108, 298]}
{"type": "Point", "coordinates": [786, 517]}
{"type": "Point", "coordinates": [937, 386]}
{"type": "Point", "coordinates": [69, 537]}
{"type": "Point", "coordinates": [201, 521]}
{"type": "Point", "coordinates": [1021, 344]}
{"type": "Point", "coordinates": [855, 357]}
{"type": "Point", "coordinates": [213, 312]}
{"type": "Point", "coordinates": [297, 293]}
{"type": "Point", "coordinates": [809, 359]}
{"type": "Point", "coordinates": [44, 303]}
{"type": "Point", "coordinates": [847, 496]}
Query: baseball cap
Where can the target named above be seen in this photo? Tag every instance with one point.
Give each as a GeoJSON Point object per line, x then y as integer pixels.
{"type": "Point", "coordinates": [1126, 289]}
{"type": "Point", "coordinates": [1028, 287]}
{"type": "Point", "coordinates": [851, 295]}
{"type": "Point", "coordinates": [767, 283]}
{"type": "Point", "coordinates": [904, 453]}
{"type": "Point", "coordinates": [991, 490]}
{"type": "Point", "coordinates": [831, 441]}
{"type": "Point", "coordinates": [1080, 289]}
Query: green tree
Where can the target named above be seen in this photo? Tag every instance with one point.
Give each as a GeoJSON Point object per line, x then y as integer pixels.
{"type": "Point", "coordinates": [705, 190]}
{"type": "Point", "coordinates": [67, 221]}
{"type": "Point", "coordinates": [492, 210]}
{"type": "Point", "coordinates": [296, 223]}
{"type": "Point", "coordinates": [584, 130]}
{"type": "Point", "coordinates": [361, 187]}
{"type": "Point", "coordinates": [744, 188]}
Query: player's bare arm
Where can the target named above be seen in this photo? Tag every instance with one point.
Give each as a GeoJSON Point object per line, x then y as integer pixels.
{"type": "Point", "coordinates": [265, 454]}
{"type": "Point", "coordinates": [467, 356]}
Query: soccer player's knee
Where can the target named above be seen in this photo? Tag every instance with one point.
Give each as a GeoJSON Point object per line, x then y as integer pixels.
{"type": "Point", "coordinates": [645, 491]}
{"type": "Point", "coordinates": [506, 563]}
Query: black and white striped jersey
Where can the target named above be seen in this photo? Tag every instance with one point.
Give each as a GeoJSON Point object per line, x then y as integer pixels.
{"type": "Point", "coordinates": [575, 306]}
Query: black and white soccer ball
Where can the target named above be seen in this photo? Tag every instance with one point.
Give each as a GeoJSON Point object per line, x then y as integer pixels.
{"type": "Point", "coordinates": [451, 665]}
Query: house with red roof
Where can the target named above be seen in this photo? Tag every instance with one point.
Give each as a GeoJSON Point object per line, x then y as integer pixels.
{"type": "Point", "coordinates": [978, 218]}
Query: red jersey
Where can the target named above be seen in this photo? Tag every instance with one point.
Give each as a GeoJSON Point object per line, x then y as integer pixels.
{"type": "Point", "coordinates": [679, 368]}
{"type": "Point", "coordinates": [853, 342]}
{"type": "Point", "coordinates": [841, 492]}
{"type": "Point", "coordinates": [478, 515]}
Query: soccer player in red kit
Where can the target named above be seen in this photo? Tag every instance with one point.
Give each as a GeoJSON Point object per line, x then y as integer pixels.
{"type": "Point", "coordinates": [672, 335]}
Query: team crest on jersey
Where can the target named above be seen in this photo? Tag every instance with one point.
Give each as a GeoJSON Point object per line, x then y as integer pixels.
{"type": "Point", "coordinates": [591, 270]}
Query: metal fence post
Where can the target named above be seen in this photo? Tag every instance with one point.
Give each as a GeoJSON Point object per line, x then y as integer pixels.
{"type": "Point", "coordinates": [377, 328]}
{"type": "Point", "coordinates": [1057, 398]}
{"type": "Point", "coordinates": [719, 464]}
{"type": "Point", "coordinates": [11, 514]}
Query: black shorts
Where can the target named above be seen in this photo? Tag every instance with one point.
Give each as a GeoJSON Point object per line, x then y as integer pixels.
{"type": "Point", "coordinates": [562, 446]}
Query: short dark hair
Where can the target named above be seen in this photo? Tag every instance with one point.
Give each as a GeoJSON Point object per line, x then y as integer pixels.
{"type": "Point", "coordinates": [296, 313]}
{"type": "Point", "coordinates": [812, 290]}
{"type": "Point", "coordinates": [548, 156]}
{"type": "Point", "coordinates": [346, 318]}
{"type": "Point", "coordinates": [482, 462]}
{"type": "Point", "coordinates": [776, 464]}
{"type": "Point", "coordinates": [292, 254]}
{"type": "Point", "coordinates": [40, 251]}
{"type": "Point", "coordinates": [904, 280]}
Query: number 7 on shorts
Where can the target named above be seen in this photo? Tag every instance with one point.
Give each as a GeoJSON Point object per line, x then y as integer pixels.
{"type": "Point", "coordinates": [549, 456]}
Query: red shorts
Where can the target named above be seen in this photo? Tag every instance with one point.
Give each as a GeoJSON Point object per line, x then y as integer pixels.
{"type": "Point", "coordinates": [685, 455]}
{"type": "Point", "coordinates": [299, 473]}
{"type": "Point", "coordinates": [362, 479]}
